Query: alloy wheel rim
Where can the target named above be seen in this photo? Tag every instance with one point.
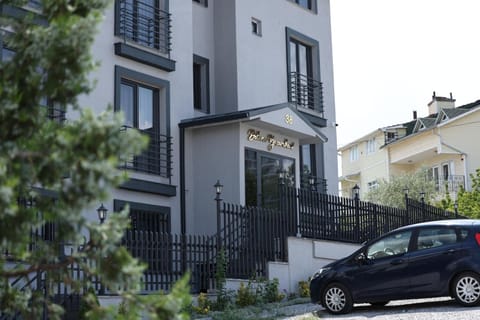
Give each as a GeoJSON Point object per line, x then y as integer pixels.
{"type": "Point", "coordinates": [335, 299]}
{"type": "Point", "coordinates": [468, 289]}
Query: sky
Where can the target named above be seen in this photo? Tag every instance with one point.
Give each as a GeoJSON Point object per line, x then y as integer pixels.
{"type": "Point", "coordinates": [390, 55]}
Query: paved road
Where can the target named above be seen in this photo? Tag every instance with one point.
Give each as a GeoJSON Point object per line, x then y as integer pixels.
{"type": "Point", "coordinates": [425, 309]}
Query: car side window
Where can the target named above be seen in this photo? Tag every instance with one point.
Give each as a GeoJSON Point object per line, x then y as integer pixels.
{"type": "Point", "coordinates": [436, 237]}
{"type": "Point", "coordinates": [389, 246]}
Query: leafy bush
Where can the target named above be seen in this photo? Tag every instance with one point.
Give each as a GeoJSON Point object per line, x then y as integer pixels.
{"type": "Point", "coordinates": [304, 289]}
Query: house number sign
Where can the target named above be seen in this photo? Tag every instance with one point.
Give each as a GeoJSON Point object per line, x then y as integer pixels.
{"type": "Point", "coordinates": [254, 135]}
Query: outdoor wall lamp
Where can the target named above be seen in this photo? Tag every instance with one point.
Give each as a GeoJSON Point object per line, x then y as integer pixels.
{"type": "Point", "coordinates": [102, 213]}
{"type": "Point", "coordinates": [218, 189]}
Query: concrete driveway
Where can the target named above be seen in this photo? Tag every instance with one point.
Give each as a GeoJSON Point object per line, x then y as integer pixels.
{"type": "Point", "coordinates": [424, 309]}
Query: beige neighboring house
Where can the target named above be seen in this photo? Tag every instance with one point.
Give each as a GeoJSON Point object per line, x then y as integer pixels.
{"type": "Point", "coordinates": [445, 142]}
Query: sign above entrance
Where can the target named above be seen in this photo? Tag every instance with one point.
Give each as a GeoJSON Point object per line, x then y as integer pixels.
{"type": "Point", "coordinates": [254, 135]}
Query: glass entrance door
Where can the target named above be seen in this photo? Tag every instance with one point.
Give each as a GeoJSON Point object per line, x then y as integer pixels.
{"type": "Point", "coordinates": [262, 177]}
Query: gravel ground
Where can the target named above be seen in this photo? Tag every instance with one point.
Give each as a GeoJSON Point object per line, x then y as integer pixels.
{"type": "Point", "coordinates": [424, 309]}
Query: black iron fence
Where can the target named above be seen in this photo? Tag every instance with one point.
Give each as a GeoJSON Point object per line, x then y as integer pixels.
{"type": "Point", "coordinates": [169, 256]}
{"type": "Point", "coordinates": [250, 237]}
{"type": "Point", "coordinates": [145, 24]}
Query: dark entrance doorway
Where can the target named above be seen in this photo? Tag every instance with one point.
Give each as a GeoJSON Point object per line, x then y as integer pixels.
{"type": "Point", "coordinates": [263, 172]}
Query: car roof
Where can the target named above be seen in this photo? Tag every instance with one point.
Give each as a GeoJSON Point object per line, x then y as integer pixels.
{"type": "Point", "coordinates": [448, 222]}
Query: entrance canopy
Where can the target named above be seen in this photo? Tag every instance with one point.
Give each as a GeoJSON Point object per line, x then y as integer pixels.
{"type": "Point", "coordinates": [282, 118]}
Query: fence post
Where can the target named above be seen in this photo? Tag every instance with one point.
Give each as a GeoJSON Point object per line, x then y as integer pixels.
{"type": "Point", "coordinates": [356, 192]}
{"type": "Point", "coordinates": [405, 191]}
{"type": "Point", "coordinates": [422, 199]}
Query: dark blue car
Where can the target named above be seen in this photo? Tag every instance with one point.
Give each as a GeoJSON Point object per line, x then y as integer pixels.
{"type": "Point", "coordinates": [425, 260]}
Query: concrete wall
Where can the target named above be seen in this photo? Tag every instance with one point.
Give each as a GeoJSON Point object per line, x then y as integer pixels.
{"type": "Point", "coordinates": [305, 257]}
{"type": "Point", "coordinates": [217, 157]}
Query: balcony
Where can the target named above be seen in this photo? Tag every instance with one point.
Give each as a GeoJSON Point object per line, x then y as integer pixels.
{"type": "Point", "coordinates": [145, 25]}
{"type": "Point", "coordinates": [306, 92]}
{"type": "Point", "coordinates": [156, 159]}
{"type": "Point", "coordinates": [452, 183]}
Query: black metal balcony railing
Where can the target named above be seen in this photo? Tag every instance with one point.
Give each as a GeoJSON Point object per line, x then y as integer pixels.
{"type": "Point", "coordinates": [144, 24]}
{"type": "Point", "coordinates": [306, 92]}
{"type": "Point", "coordinates": [157, 159]}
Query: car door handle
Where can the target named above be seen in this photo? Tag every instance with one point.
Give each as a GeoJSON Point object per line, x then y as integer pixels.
{"type": "Point", "coordinates": [397, 262]}
{"type": "Point", "coordinates": [450, 251]}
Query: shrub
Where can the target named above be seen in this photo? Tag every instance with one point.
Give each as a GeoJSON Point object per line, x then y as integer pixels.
{"type": "Point", "coordinates": [304, 289]}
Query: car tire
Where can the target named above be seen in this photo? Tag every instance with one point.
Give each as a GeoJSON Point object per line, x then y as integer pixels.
{"type": "Point", "coordinates": [466, 289]}
{"type": "Point", "coordinates": [336, 299]}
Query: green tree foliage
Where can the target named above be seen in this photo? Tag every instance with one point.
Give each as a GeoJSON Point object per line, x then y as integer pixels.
{"type": "Point", "coordinates": [75, 160]}
{"type": "Point", "coordinates": [468, 201]}
{"type": "Point", "coordinates": [392, 193]}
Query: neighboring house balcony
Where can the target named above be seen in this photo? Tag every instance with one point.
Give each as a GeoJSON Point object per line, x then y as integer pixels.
{"type": "Point", "coordinates": [145, 24]}
{"type": "Point", "coordinates": [156, 159]}
{"type": "Point", "coordinates": [450, 184]}
{"type": "Point", "coordinates": [306, 92]}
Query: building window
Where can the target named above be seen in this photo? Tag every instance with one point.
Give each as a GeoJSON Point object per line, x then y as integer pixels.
{"type": "Point", "coordinates": [371, 146]}
{"type": "Point", "coordinates": [144, 22]}
{"type": "Point", "coordinates": [148, 237]}
{"type": "Point", "coordinates": [307, 4]}
{"type": "Point", "coordinates": [202, 2]}
{"type": "Point", "coordinates": [256, 27]}
{"type": "Point", "coordinates": [144, 100]}
{"type": "Point", "coordinates": [372, 185]}
{"type": "Point", "coordinates": [53, 110]}
{"type": "Point", "coordinates": [307, 162]}
{"type": "Point", "coordinates": [263, 174]}
{"type": "Point", "coordinates": [305, 89]}
{"type": "Point", "coordinates": [201, 84]}
{"type": "Point", "coordinates": [354, 153]}
{"type": "Point", "coordinates": [146, 217]}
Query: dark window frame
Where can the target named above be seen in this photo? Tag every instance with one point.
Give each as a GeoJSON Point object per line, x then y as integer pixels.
{"type": "Point", "coordinates": [311, 5]}
{"type": "Point", "coordinates": [201, 2]}
{"type": "Point", "coordinates": [201, 84]}
{"type": "Point", "coordinates": [313, 59]}
{"type": "Point", "coordinates": [124, 75]}
{"type": "Point", "coordinates": [148, 209]}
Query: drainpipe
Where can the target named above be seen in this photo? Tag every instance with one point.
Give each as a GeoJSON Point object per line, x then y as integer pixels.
{"type": "Point", "coordinates": [183, 224]}
{"type": "Point", "coordinates": [463, 154]}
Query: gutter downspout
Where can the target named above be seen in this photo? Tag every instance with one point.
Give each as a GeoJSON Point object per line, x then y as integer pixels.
{"type": "Point", "coordinates": [463, 154]}
{"type": "Point", "coordinates": [183, 224]}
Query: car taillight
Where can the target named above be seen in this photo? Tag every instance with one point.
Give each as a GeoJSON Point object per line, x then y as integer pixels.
{"type": "Point", "coordinates": [477, 238]}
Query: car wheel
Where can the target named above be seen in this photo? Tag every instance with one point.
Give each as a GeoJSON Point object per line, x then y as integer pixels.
{"type": "Point", "coordinates": [466, 289]}
{"type": "Point", "coordinates": [336, 299]}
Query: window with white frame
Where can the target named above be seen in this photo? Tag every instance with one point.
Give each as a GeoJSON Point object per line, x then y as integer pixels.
{"type": "Point", "coordinates": [372, 185]}
{"type": "Point", "coordinates": [354, 153]}
{"type": "Point", "coordinates": [371, 146]}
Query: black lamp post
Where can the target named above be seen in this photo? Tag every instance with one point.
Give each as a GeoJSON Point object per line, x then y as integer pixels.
{"type": "Point", "coordinates": [455, 206]}
{"type": "Point", "coordinates": [102, 213]}
{"type": "Point", "coordinates": [218, 190]}
{"type": "Point", "coordinates": [422, 196]}
{"type": "Point", "coordinates": [356, 192]}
